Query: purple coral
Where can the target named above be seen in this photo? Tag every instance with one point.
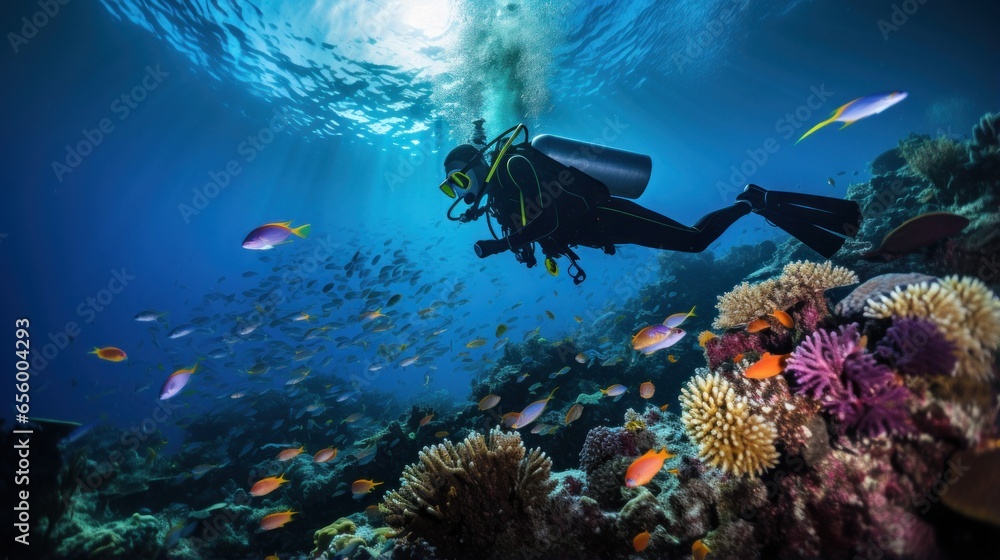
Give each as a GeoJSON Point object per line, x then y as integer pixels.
{"type": "Point", "coordinates": [917, 347]}
{"type": "Point", "coordinates": [722, 349]}
{"type": "Point", "coordinates": [860, 393]}
{"type": "Point", "coordinates": [603, 444]}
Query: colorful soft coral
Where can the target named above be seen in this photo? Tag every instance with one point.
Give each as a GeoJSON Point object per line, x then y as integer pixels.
{"type": "Point", "coordinates": [858, 392]}
{"type": "Point", "coordinates": [914, 346]}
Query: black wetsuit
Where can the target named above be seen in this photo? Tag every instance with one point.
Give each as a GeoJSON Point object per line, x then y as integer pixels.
{"type": "Point", "coordinates": [564, 207]}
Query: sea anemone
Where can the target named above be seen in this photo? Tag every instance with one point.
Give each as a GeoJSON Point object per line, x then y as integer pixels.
{"type": "Point", "coordinates": [729, 434]}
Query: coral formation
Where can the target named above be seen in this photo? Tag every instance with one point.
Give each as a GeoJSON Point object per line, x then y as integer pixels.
{"type": "Point", "coordinates": [480, 498]}
{"type": "Point", "coordinates": [916, 347]}
{"type": "Point", "coordinates": [800, 280]}
{"type": "Point", "coordinates": [985, 139]}
{"type": "Point", "coordinates": [934, 160]}
{"type": "Point", "coordinates": [730, 435]}
{"type": "Point", "coordinates": [883, 284]}
{"type": "Point", "coordinates": [965, 311]}
{"type": "Point", "coordinates": [323, 538]}
{"type": "Point", "coordinates": [860, 394]}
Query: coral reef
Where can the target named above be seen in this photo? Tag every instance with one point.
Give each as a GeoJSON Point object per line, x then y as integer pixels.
{"type": "Point", "coordinates": [935, 160]}
{"type": "Point", "coordinates": [985, 143]}
{"type": "Point", "coordinates": [730, 435]}
{"type": "Point", "coordinates": [480, 498]}
{"type": "Point", "coordinates": [965, 311]}
{"type": "Point", "coordinates": [860, 394]}
{"type": "Point", "coordinates": [854, 303]}
{"type": "Point", "coordinates": [343, 528]}
{"type": "Point", "coordinates": [916, 347]}
{"type": "Point", "coordinates": [800, 280]}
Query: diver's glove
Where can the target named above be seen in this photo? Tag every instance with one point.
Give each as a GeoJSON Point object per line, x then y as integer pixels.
{"type": "Point", "coordinates": [489, 247]}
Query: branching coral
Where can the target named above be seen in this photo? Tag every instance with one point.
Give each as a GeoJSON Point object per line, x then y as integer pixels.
{"type": "Point", "coordinates": [916, 347]}
{"type": "Point", "coordinates": [800, 280]}
{"type": "Point", "coordinates": [964, 310]}
{"type": "Point", "coordinates": [861, 394]}
{"type": "Point", "coordinates": [728, 433]}
{"type": "Point", "coordinates": [475, 499]}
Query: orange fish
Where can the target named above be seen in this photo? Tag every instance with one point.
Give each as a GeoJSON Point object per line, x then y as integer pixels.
{"type": "Point", "coordinates": [574, 413]}
{"type": "Point", "coordinates": [426, 419]}
{"type": "Point", "coordinates": [361, 487]}
{"type": "Point", "coordinates": [489, 401]}
{"type": "Point", "coordinates": [646, 390]}
{"type": "Point", "coordinates": [643, 469]}
{"type": "Point", "coordinates": [767, 366]}
{"type": "Point", "coordinates": [699, 550]}
{"type": "Point", "coordinates": [267, 485]}
{"type": "Point", "coordinates": [672, 359]}
{"type": "Point", "coordinates": [664, 407]}
{"type": "Point", "coordinates": [109, 353]}
{"type": "Point", "coordinates": [674, 471]}
{"type": "Point", "coordinates": [276, 520]}
{"type": "Point", "coordinates": [509, 419]}
{"type": "Point", "coordinates": [290, 453]}
{"type": "Point", "coordinates": [641, 541]}
{"type": "Point", "coordinates": [325, 455]}
{"type": "Point", "coordinates": [784, 318]}
{"type": "Point", "coordinates": [758, 325]}
{"type": "Point", "coordinates": [738, 358]}
{"type": "Point", "coordinates": [442, 433]}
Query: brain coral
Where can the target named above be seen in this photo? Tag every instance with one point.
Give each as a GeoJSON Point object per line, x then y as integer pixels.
{"type": "Point", "coordinates": [964, 310]}
{"type": "Point", "coordinates": [800, 280]}
{"type": "Point", "coordinates": [728, 433]}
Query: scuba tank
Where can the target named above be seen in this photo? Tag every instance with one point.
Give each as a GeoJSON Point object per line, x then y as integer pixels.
{"type": "Point", "coordinates": [625, 173]}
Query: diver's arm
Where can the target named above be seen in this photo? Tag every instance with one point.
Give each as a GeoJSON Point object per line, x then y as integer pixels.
{"type": "Point", "coordinates": [519, 170]}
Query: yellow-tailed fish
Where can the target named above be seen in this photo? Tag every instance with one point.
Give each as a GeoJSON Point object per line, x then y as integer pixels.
{"type": "Point", "coordinates": [533, 411]}
{"type": "Point", "coordinates": [676, 319]}
{"type": "Point", "coordinates": [858, 109]}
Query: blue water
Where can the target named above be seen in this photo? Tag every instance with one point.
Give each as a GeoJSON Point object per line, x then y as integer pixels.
{"type": "Point", "coordinates": [353, 109]}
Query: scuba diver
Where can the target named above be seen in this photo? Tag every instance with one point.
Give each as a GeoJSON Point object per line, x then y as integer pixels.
{"type": "Point", "coordinates": [560, 194]}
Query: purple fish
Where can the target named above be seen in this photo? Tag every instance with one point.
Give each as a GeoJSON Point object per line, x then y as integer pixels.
{"type": "Point", "coordinates": [268, 235]}
{"type": "Point", "coordinates": [673, 337]}
{"type": "Point", "coordinates": [860, 108]}
{"type": "Point", "coordinates": [176, 382]}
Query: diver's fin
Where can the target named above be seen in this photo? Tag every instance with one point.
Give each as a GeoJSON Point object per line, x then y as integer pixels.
{"type": "Point", "coordinates": [823, 223]}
